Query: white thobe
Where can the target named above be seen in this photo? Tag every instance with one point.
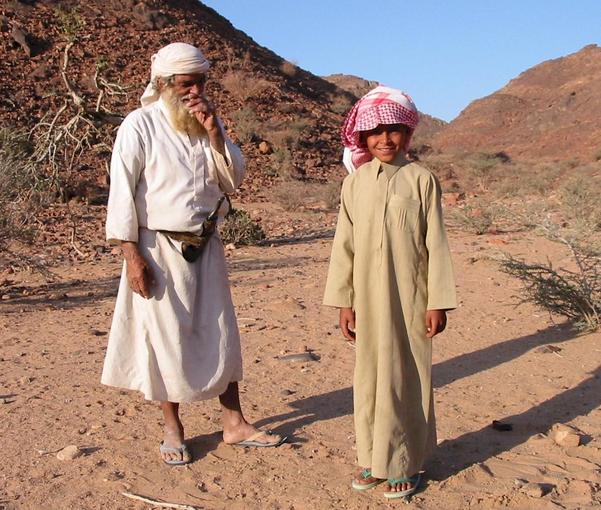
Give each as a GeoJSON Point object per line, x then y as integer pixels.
{"type": "Point", "coordinates": [182, 344]}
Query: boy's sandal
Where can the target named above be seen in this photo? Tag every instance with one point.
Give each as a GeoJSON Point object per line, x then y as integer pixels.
{"type": "Point", "coordinates": [413, 480]}
{"type": "Point", "coordinates": [366, 474]}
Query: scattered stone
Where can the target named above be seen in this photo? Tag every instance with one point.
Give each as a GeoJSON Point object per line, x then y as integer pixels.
{"type": "Point", "coordinates": [564, 435]}
{"type": "Point", "coordinates": [113, 476]}
{"type": "Point", "coordinates": [230, 247]}
{"type": "Point", "coordinates": [97, 332]}
{"type": "Point", "coordinates": [265, 147]}
{"type": "Point", "coordinates": [548, 348]}
{"type": "Point", "coordinates": [501, 426]}
{"type": "Point", "coordinates": [452, 198]}
{"type": "Point", "coordinates": [534, 490]}
{"type": "Point", "coordinates": [20, 37]}
{"type": "Point", "coordinates": [69, 452]}
{"type": "Point", "coordinates": [6, 297]}
{"type": "Point", "coordinates": [286, 393]}
{"type": "Point", "coordinates": [302, 356]}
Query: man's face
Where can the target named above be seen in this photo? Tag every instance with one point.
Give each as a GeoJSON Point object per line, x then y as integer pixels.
{"type": "Point", "coordinates": [386, 141]}
{"type": "Point", "coordinates": [184, 84]}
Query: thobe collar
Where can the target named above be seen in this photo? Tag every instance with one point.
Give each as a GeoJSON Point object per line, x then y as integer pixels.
{"type": "Point", "coordinates": [389, 169]}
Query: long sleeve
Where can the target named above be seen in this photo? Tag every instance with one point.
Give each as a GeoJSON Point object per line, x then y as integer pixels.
{"type": "Point", "coordinates": [441, 281]}
{"type": "Point", "coordinates": [339, 284]}
{"type": "Point", "coordinates": [231, 168]}
{"type": "Point", "coordinates": [127, 163]}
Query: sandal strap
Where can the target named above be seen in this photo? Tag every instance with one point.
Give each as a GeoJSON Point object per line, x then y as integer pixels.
{"type": "Point", "coordinates": [407, 479]}
{"type": "Point", "coordinates": [366, 473]}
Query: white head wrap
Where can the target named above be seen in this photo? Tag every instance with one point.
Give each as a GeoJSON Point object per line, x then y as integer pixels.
{"type": "Point", "coordinates": [175, 58]}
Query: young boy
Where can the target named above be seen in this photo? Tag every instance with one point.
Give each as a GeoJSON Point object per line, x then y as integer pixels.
{"type": "Point", "coordinates": [391, 277]}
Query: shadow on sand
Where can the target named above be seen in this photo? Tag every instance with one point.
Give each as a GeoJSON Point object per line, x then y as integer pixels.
{"type": "Point", "coordinates": [479, 445]}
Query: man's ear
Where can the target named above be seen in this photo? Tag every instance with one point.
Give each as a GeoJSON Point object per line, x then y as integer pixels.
{"type": "Point", "coordinates": [159, 84]}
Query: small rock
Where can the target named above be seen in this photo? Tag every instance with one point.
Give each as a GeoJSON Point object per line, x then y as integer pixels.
{"type": "Point", "coordinates": [69, 452]}
{"type": "Point", "coordinates": [303, 356]}
{"type": "Point", "coordinates": [548, 348]}
{"type": "Point", "coordinates": [6, 297]}
{"type": "Point", "coordinates": [265, 147]}
{"type": "Point", "coordinates": [565, 435]}
{"type": "Point", "coordinates": [230, 246]}
{"type": "Point", "coordinates": [286, 393]}
{"type": "Point", "coordinates": [534, 490]}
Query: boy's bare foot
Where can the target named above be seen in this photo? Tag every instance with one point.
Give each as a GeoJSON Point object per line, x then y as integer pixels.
{"type": "Point", "coordinates": [364, 480]}
{"type": "Point", "coordinates": [402, 487]}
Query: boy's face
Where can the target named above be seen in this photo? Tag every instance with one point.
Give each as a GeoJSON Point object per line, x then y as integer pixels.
{"type": "Point", "coordinates": [386, 141]}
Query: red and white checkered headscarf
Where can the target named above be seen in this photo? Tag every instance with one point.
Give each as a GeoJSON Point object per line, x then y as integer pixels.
{"type": "Point", "coordinates": [382, 105]}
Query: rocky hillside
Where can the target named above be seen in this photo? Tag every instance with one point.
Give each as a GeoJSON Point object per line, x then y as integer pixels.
{"type": "Point", "coordinates": [428, 127]}
{"type": "Point", "coordinates": [73, 69]}
{"type": "Point", "coordinates": [552, 110]}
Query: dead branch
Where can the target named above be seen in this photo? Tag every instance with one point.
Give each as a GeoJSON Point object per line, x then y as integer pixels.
{"type": "Point", "coordinates": [159, 503]}
{"type": "Point", "coordinates": [77, 99]}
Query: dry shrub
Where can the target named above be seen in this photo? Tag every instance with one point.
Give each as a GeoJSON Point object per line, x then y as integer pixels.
{"type": "Point", "coordinates": [244, 86]}
{"type": "Point", "coordinates": [286, 134]}
{"type": "Point", "coordinates": [581, 203]}
{"type": "Point", "coordinates": [480, 169]}
{"type": "Point", "coordinates": [340, 104]}
{"type": "Point", "coordinates": [330, 194]}
{"type": "Point", "coordinates": [23, 187]}
{"type": "Point", "coordinates": [289, 68]}
{"type": "Point", "coordinates": [524, 179]}
{"type": "Point", "coordinates": [240, 229]}
{"type": "Point", "coordinates": [246, 124]}
{"type": "Point", "coordinates": [281, 164]}
{"type": "Point", "coordinates": [576, 294]}
{"type": "Point", "coordinates": [476, 219]}
{"type": "Point", "coordinates": [291, 195]}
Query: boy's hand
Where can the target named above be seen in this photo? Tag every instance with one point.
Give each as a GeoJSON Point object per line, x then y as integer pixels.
{"type": "Point", "coordinates": [436, 321]}
{"type": "Point", "coordinates": [347, 323]}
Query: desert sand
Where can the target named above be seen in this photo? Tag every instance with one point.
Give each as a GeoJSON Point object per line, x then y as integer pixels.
{"type": "Point", "coordinates": [495, 361]}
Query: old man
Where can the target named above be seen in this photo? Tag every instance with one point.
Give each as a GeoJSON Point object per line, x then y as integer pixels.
{"type": "Point", "coordinates": [174, 335]}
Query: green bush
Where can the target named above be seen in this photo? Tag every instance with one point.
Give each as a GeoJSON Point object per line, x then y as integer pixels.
{"type": "Point", "coordinates": [240, 229]}
{"type": "Point", "coordinates": [246, 124]}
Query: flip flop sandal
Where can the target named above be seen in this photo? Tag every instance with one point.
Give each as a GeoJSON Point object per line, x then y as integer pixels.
{"type": "Point", "coordinates": [415, 480]}
{"type": "Point", "coordinates": [365, 474]}
{"type": "Point", "coordinates": [182, 450]}
{"type": "Point", "coordinates": [252, 440]}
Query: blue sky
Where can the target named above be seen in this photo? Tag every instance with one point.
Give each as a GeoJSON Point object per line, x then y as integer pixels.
{"type": "Point", "coordinates": [443, 53]}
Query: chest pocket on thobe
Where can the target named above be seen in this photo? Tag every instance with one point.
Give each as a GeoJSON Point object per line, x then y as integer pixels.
{"type": "Point", "coordinates": [402, 213]}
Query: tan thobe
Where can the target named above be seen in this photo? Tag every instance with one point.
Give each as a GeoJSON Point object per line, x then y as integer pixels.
{"type": "Point", "coordinates": [391, 262]}
{"type": "Point", "coordinates": [182, 344]}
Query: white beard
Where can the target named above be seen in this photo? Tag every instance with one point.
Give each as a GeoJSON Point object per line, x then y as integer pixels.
{"type": "Point", "coordinates": [179, 115]}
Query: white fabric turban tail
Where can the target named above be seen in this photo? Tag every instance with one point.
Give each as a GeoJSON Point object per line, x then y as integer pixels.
{"type": "Point", "coordinates": [175, 58]}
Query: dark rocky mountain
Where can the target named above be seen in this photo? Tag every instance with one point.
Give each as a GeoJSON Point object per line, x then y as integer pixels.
{"type": "Point", "coordinates": [551, 111]}
{"type": "Point", "coordinates": [72, 69]}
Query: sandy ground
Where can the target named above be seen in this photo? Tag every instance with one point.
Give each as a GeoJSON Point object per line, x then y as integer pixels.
{"type": "Point", "coordinates": [493, 363]}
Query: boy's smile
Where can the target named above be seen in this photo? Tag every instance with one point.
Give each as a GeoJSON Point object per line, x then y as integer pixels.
{"type": "Point", "coordinates": [386, 141]}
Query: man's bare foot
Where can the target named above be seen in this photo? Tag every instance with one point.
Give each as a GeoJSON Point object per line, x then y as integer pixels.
{"type": "Point", "coordinates": [174, 438]}
{"type": "Point", "coordinates": [242, 430]}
